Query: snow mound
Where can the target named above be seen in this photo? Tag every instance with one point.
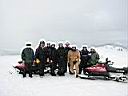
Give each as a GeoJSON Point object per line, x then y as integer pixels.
{"type": "Point", "coordinates": [116, 54]}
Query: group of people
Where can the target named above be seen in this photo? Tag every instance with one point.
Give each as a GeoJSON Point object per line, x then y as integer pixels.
{"type": "Point", "coordinates": [65, 58]}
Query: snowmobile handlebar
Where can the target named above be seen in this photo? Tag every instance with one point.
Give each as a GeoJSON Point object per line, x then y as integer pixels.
{"type": "Point", "coordinates": [106, 62]}
{"type": "Point", "coordinates": [20, 62]}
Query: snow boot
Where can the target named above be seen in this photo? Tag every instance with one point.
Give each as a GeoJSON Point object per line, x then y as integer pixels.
{"type": "Point", "coordinates": [77, 76]}
{"type": "Point", "coordinates": [71, 73]}
{"type": "Point", "coordinates": [24, 75]}
{"type": "Point", "coordinates": [30, 75]}
{"type": "Point", "coordinates": [53, 74]}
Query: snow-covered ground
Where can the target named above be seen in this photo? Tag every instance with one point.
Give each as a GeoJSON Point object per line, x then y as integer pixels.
{"type": "Point", "coordinates": [14, 85]}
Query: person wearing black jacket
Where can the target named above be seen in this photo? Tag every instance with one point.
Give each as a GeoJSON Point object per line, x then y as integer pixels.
{"type": "Point", "coordinates": [40, 54]}
{"type": "Point", "coordinates": [61, 53]}
{"type": "Point", "coordinates": [53, 59]}
{"type": "Point", "coordinates": [84, 59]}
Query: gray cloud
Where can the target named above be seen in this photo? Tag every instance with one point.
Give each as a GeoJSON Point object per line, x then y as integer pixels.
{"type": "Point", "coordinates": [79, 21]}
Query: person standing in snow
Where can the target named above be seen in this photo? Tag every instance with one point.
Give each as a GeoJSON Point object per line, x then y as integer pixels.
{"type": "Point", "coordinates": [40, 55]}
{"type": "Point", "coordinates": [53, 59]}
{"type": "Point", "coordinates": [74, 60]}
{"type": "Point", "coordinates": [27, 56]}
{"type": "Point", "coordinates": [61, 53]}
{"type": "Point", "coordinates": [84, 59]}
{"type": "Point", "coordinates": [94, 57]}
{"type": "Point", "coordinates": [47, 50]}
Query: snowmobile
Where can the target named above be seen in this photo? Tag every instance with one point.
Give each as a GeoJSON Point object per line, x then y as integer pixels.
{"type": "Point", "coordinates": [20, 67]}
{"type": "Point", "coordinates": [104, 70]}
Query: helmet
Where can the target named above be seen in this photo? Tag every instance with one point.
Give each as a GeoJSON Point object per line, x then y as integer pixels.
{"type": "Point", "coordinates": [84, 46]}
{"type": "Point", "coordinates": [53, 44]}
{"type": "Point", "coordinates": [92, 49]}
{"type": "Point", "coordinates": [73, 46]}
{"type": "Point", "coordinates": [67, 43]}
{"type": "Point", "coordinates": [28, 43]}
{"type": "Point", "coordinates": [48, 42]}
{"type": "Point", "coordinates": [42, 42]}
{"type": "Point", "coordinates": [60, 44]}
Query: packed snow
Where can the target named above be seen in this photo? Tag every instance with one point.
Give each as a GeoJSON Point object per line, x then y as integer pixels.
{"type": "Point", "coordinates": [13, 84]}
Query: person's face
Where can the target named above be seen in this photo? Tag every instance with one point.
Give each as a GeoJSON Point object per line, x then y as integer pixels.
{"type": "Point", "coordinates": [67, 45]}
{"type": "Point", "coordinates": [92, 50]}
{"type": "Point", "coordinates": [60, 45]}
{"type": "Point", "coordinates": [74, 48]}
{"type": "Point", "coordinates": [84, 48]}
{"type": "Point", "coordinates": [53, 45]}
{"type": "Point", "coordinates": [42, 45]}
{"type": "Point", "coordinates": [48, 44]}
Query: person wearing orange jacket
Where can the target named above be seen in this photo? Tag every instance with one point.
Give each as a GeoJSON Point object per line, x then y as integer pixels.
{"type": "Point", "coordinates": [74, 60]}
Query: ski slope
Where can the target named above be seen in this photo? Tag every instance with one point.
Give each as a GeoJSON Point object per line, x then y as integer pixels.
{"type": "Point", "coordinates": [12, 84]}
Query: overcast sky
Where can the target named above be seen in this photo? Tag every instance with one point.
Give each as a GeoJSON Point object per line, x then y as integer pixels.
{"type": "Point", "coordinates": [89, 22]}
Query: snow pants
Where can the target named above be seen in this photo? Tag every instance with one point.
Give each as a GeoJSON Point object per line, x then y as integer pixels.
{"type": "Point", "coordinates": [53, 67]}
{"type": "Point", "coordinates": [76, 65]}
{"type": "Point", "coordinates": [41, 68]}
{"type": "Point", "coordinates": [83, 64]}
{"type": "Point", "coordinates": [61, 66]}
{"type": "Point", "coordinates": [28, 68]}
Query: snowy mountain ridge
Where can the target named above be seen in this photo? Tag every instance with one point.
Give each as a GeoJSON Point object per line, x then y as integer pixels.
{"type": "Point", "coordinates": [8, 52]}
{"type": "Point", "coordinates": [112, 46]}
